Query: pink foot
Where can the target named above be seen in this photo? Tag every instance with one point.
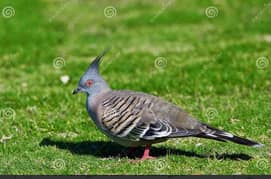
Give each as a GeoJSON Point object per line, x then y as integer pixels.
{"type": "Point", "coordinates": [147, 157]}
{"type": "Point", "coordinates": [146, 154]}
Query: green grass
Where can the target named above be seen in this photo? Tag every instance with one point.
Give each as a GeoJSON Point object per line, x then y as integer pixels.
{"type": "Point", "coordinates": [211, 65]}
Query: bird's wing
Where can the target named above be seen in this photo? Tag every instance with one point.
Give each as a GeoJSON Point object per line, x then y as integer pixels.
{"type": "Point", "coordinates": [139, 116]}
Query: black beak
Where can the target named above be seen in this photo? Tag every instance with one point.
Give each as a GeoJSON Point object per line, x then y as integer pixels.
{"type": "Point", "coordinates": [75, 91]}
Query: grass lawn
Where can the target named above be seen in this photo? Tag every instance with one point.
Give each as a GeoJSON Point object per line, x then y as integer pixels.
{"type": "Point", "coordinates": [212, 58]}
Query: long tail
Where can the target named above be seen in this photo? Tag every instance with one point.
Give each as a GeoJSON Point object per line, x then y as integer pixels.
{"type": "Point", "coordinates": [216, 134]}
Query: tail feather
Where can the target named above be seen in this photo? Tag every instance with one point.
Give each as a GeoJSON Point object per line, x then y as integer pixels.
{"type": "Point", "coordinates": [220, 135]}
{"type": "Point", "coordinates": [209, 137]}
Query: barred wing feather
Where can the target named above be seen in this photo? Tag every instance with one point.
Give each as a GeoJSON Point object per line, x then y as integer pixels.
{"type": "Point", "coordinates": [138, 116]}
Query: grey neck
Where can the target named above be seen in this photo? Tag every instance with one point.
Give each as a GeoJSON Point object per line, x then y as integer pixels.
{"type": "Point", "coordinates": [98, 89]}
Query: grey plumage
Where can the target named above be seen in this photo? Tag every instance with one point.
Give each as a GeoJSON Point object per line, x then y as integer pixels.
{"type": "Point", "coordinates": [135, 118]}
{"type": "Point", "coordinates": [140, 118]}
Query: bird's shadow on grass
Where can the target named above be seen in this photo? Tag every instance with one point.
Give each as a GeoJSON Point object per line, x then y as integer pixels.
{"type": "Point", "coordinates": [106, 149]}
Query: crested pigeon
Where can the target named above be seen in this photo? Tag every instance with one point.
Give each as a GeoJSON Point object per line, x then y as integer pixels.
{"type": "Point", "coordinates": [135, 119]}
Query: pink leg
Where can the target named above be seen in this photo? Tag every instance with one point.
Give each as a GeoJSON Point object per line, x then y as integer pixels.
{"type": "Point", "coordinates": [146, 154]}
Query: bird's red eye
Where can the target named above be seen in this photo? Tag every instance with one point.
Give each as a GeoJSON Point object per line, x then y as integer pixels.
{"type": "Point", "coordinates": [89, 83]}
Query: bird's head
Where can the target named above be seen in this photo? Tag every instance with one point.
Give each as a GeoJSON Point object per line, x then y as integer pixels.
{"type": "Point", "coordinates": [91, 82]}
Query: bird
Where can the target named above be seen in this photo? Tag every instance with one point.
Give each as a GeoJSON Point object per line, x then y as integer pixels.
{"type": "Point", "coordinates": [133, 119]}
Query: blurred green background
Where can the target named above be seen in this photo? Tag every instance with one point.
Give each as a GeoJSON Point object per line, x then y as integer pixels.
{"type": "Point", "coordinates": [210, 57]}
